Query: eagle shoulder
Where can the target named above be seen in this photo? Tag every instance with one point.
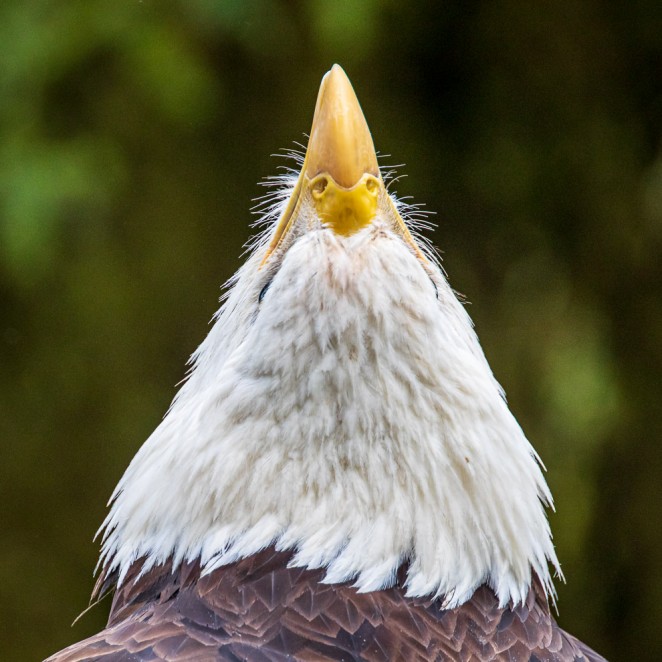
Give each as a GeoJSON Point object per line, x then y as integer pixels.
{"type": "Point", "coordinates": [259, 609]}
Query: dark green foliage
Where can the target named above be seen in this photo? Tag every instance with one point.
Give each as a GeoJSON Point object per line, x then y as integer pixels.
{"type": "Point", "coordinates": [131, 137]}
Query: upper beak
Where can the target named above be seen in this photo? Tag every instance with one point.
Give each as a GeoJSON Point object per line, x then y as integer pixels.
{"type": "Point", "coordinates": [340, 144]}
{"type": "Point", "coordinates": [340, 174]}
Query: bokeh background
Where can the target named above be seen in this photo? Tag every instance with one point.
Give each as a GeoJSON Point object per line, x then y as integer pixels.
{"type": "Point", "coordinates": [132, 137]}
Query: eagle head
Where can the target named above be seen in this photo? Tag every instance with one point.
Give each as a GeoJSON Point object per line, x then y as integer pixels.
{"type": "Point", "coordinates": [341, 407]}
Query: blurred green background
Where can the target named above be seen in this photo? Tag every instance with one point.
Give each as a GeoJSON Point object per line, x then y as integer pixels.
{"type": "Point", "coordinates": [132, 135]}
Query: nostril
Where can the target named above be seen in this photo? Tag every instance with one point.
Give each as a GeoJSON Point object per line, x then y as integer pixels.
{"type": "Point", "coordinates": [320, 186]}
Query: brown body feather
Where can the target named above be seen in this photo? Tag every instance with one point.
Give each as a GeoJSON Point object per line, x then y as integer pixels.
{"type": "Point", "coordinates": [258, 609]}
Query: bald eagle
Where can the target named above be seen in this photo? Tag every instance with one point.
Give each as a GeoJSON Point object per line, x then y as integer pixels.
{"type": "Point", "coordinates": [340, 477]}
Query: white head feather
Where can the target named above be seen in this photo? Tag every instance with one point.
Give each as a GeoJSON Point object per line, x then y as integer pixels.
{"type": "Point", "coordinates": [349, 415]}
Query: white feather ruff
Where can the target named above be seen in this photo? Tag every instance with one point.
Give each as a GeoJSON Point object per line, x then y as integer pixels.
{"type": "Point", "coordinates": [349, 416]}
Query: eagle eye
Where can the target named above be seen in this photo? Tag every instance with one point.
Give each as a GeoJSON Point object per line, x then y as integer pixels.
{"type": "Point", "coordinates": [263, 291]}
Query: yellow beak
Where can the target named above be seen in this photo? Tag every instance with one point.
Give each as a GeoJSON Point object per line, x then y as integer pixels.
{"type": "Point", "coordinates": [340, 174]}
{"type": "Point", "coordinates": [340, 144]}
